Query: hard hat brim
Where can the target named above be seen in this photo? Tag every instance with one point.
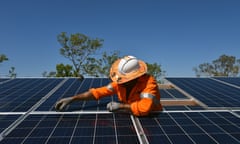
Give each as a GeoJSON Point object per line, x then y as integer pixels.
{"type": "Point", "coordinates": [120, 78]}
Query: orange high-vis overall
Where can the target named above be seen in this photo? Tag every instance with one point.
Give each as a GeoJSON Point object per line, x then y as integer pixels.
{"type": "Point", "coordinates": [143, 98]}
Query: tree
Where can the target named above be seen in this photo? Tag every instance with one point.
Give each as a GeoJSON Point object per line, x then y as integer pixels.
{"type": "Point", "coordinates": [225, 65]}
{"type": "Point", "coordinates": [155, 70]}
{"type": "Point", "coordinates": [64, 70]}
{"type": "Point", "coordinates": [106, 62]}
{"type": "Point", "coordinates": [50, 74]}
{"type": "Point", "coordinates": [12, 73]}
{"type": "Point", "coordinates": [3, 58]}
{"type": "Point", "coordinates": [78, 48]}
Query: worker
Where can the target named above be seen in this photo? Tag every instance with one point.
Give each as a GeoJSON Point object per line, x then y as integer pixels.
{"type": "Point", "coordinates": [137, 91]}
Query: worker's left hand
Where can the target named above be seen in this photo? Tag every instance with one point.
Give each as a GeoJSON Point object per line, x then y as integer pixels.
{"type": "Point", "coordinates": [113, 106]}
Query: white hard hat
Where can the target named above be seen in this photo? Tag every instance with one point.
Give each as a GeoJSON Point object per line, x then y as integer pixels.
{"type": "Point", "coordinates": [128, 64]}
{"type": "Point", "coordinates": [126, 69]}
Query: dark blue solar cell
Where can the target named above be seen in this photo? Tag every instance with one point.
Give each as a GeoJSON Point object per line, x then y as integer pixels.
{"type": "Point", "coordinates": [224, 138]}
{"type": "Point", "coordinates": [202, 139]}
{"type": "Point", "coordinates": [7, 120]}
{"type": "Point", "coordinates": [62, 132]}
{"type": "Point", "coordinates": [192, 129]}
{"type": "Point", "coordinates": [211, 128]}
{"type": "Point", "coordinates": [171, 94]}
{"type": "Point", "coordinates": [84, 131]}
{"type": "Point", "coordinates": [179, 139]}
{"type": "Point", "coordinates": [59, 140]}
{"type": "Point", "coordinates": [14, 140]}
{"type": "Point", "coordinates": [230, 128]}
{"type": "Point", "coordinates": [82, 139]}
{"type": "Point", "coordinates": [153, 130]}
{"type": "Point", "coordinates": [35, 140]}
{"type": "Point", "coordinates": [20, 132]}
{"type": "Point", "coordinates": [166, 121]}
{"type": "Point", "coordinates": [41, 132]}
{"type": "Point", "coordinates": [173, 129]}
{"type": "Point", "coordinates": [105, 140]}
{"type": "Point", "coordinates": [159, 139]}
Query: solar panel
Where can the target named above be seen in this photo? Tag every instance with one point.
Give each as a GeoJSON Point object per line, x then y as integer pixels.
{"type": "Point", "coordinates": [208, 91]}
{"type": "Point", "coordinates": [192, 127]}
{"type": "Point", "coordinates": [19, 95]}
{"type": "Point", "coordinates": [74, 128]}
{"type": "Point", "coordinates": [28, 115]}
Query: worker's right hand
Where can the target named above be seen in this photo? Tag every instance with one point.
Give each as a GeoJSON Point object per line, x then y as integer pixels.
{"type": "Point", "coordinates": [113, 106]}
{"type": "Point", "coordinates": [61, 104]}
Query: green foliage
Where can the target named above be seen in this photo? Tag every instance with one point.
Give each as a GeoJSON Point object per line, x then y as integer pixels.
{"type": "Point", "coordinates": [12, 73]}
{"type": "Point", "coordinates": [79, 48]}
{"type": "Point", "coordinates": [155, 70]}
{"type": "Point", "coordinates": [50, 74]}
{"type": "Point", "coordinates": [64, 70]}
{"type": "Point", "coordinates": [3, 58]}
{"type": "Point", "coordinates": [223, 66]}
{"type": "Point", "coordinates": [106, 62]}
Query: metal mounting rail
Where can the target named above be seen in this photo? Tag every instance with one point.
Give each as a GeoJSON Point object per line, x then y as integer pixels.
{"type": "Point", "coordinates": [25, 115]}
{"type": "Point", "coordinates": [140, 133]}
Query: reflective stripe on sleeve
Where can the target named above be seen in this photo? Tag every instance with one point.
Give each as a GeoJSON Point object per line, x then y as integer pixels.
{"type": "Point", "coordinates": [147, 95]}
{"type": "Point", "coordinates": [109, 87]}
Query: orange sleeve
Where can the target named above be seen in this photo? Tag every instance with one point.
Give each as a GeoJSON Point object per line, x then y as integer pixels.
{"type": "Point", "coordinates": [142, 107]}
{"type": "Point", "coordinates": [102, 91]}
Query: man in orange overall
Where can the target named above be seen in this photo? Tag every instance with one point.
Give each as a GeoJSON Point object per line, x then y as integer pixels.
{"type": "Point", "coordinates": [137, 91]}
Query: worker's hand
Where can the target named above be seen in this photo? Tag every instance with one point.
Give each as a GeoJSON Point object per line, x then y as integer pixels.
{"type": "Point", "coordinates": [113, 106]}
{"type": "Point", "coordinates": [61, 104]}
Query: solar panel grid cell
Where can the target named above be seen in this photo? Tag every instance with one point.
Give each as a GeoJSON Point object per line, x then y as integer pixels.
{"type": "Point", "coordinates": [172, 94]}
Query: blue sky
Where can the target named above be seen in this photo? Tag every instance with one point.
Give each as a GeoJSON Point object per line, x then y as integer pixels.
{"type": "Point", "coordinates": [177, 34]}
